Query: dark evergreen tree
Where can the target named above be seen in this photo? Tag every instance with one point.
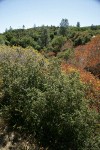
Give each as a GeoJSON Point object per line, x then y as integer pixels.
{"type": "Point", "coordinates": [64, 27]}
{"type": "Point", "coordinates": [78, 24]}
{"type": "Point", "coordinates": [44, 37]}
{"type": "Point", "coordinates": [23, 26]}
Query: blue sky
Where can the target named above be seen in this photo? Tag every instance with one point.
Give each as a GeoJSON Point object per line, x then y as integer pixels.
{"type": "Point", "coordinates": [16, 13]}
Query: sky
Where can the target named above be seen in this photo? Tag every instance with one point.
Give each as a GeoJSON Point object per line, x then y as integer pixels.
{"type": "Point", "coordinates": [16, 13]}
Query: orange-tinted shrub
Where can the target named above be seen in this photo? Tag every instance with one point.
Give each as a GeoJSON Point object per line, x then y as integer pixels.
{"type": "Point", "coordinates": [93, 84]}
{"type": "Point", "coordinates": [88, 55]}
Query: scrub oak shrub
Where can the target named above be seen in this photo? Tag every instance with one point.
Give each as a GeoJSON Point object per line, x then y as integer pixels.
{"type": "Point", "coordinates": [39, 99]}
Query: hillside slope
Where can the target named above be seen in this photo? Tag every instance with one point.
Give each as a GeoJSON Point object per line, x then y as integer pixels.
{"type": "Point", "coordinates": [88, 56]}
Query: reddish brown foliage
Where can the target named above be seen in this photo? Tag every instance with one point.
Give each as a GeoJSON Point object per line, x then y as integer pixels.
{"type": "Point", "coordinates": [86, 77]}
{"type": "Point", "coordinates": [50, 54]}
{"type": "Point", "coordinates": [88, 56]}
{"type": "Point", "coordinates": [68, 45]}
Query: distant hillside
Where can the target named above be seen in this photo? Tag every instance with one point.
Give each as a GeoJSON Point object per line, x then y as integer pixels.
{"type": "Point", "coordinates": [42, 38]}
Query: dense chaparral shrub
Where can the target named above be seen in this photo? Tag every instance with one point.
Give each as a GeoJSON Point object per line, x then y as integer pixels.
{"type": "Point", "coordinates": [57, 44]}
{"type": "Point", "coordinates": [93, 83]}
{"type": "Point", "coordinates": [88, 56]}
{"type": "Point", "coordinates": [40, 99]}
{"type": "Point", "coordinates": [65, 55]}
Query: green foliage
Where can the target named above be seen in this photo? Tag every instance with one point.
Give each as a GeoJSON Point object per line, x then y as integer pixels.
{"type": "Point", "coordinates": [57, 43]}
{"type": "Point", "coordinates": [44, 37]}
{"type": "Point", "coordinates": [2, 40]}
{"type": "Point", "coordinates": [63, 27]}
{"type": "Point", "coordinates": [39, 99]}
{"type": "Point", "coordinates": [41, 37]}
{"type": "Point", "coordinates": [81, 38]}
{"type": "Point", "coordinates": [66, 54]}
